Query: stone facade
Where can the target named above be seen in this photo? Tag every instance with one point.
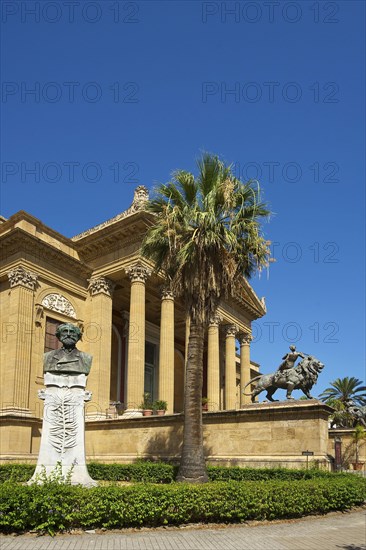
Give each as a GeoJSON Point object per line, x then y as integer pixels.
{"type": "Point", "coordinates": [132, 325]}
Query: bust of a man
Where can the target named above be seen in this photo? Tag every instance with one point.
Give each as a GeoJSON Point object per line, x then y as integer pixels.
{"type": "Point", "coordinates": [68, 359]}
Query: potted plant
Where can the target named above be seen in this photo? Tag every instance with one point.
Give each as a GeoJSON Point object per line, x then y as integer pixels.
{"type": "Point", "coordinates": [205, 403]}
{"type": "Point", "coordinates": [146, 405]}
{"type": "Point", "coordinates": [358, 435]}
{"type": "Point", "coordinates": [160, 407]}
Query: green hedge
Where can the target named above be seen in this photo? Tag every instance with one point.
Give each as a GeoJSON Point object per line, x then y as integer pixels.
{"type": "Point", "coordinates": [16, 472]}
{"type": "Point", "coordinates": [52, 507]}
{"type": "Point", "coordinates": [148, 472]}
{"type": "Point", "coordinates": [220, 473]}
{"type": "Point", "coordinates": [160, 472]}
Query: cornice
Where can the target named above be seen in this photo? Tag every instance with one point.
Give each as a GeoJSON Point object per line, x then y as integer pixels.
{"type": "Point", "coordinates": [38, 251]}
{"type": "Point", "coordinates": [141, 197]}
{"type": "Point", "coordinates": [22, 215]}
{"type": "Point", "coordinates": [256, 303]}
{"type": "Point", "coordinates": [102, 245]}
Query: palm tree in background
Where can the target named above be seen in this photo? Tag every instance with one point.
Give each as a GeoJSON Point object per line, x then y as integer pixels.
{"type": "Point", "coordinates": [340, 418]}
{"type": "Point", "coordinates": [344, 389]}
{"type": "Point", "coordinates": [206, 237]}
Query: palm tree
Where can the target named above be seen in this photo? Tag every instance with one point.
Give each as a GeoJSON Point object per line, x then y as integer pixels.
{"type": "Point", "coordinates": [345, 389]}
{"type": "Point", "coordinates": [340, 418]}
{"type": "Point", "coordinates": [206, 236]}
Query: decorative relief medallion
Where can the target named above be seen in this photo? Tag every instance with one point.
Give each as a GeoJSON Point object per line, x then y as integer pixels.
{"type": "Point", "coordinates": [57, 302]}
{"type": "Point", "coordinates": [101, 285]}
{"type": "Point", "coordinates": [20, 277]}
{"type": "Point", "coordinates": [138, 273]}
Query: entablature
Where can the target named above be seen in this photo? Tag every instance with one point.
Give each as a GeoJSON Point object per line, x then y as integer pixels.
{"type": "Point", "coordinates": [34, 227]}
{"type": "Point", "coordinates": [18, 245]}
{"type": "Point", "coordinates": [114, 240]}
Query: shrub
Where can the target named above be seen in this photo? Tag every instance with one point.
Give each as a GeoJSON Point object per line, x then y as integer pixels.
{"type": "Point", "coordinates": [16, 472]}
{"type": "Point", "coordinates": [141, 471]}
{"type": "Point", "coordinates": [220, 473]}
{"type": "Point", "coordinates": [52, 507]}
{"type": "Point", "coordinates": [162, 472]}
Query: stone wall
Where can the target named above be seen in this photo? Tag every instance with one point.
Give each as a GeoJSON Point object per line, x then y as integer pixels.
{"type": "Point", "coordinates": [259, 435]}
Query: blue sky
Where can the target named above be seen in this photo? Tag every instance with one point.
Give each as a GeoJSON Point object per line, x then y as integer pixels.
{"type": "Point", "coordinates": [126, 92]}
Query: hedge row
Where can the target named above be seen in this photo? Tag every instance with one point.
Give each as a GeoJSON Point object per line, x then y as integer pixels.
{"type": "Point", "coordinates": [52, 507]}
{"type": "Point", "coordinates": [160, 472]}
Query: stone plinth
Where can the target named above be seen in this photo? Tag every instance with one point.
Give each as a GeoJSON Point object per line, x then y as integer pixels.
{"type": "Point", "coordinates": [259, 435]}
{"type": "Point", "coordinates": [63, 428]}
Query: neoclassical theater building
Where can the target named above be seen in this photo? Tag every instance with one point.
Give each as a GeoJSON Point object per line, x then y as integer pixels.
{"type": "Point", "coordinates": [133, 327]}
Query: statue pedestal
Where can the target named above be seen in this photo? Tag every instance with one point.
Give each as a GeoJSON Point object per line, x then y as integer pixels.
{"type": "Point", "coordinates": [63, 429]}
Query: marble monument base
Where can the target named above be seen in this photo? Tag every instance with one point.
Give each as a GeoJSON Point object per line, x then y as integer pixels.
{"type": "Point", "coordinates": [62, 449]}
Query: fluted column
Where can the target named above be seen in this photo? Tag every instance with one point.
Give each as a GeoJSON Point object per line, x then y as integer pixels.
{"type": "Point", "coordinates": [17, 330]}
{"type": "Point", "coordinates": [213, 365]}
{"type": "Point", "coordinates": [230, 368]}
{"type": "Point", "coordinates": [99, 380]}
{"type": "Point", "coordinates": [245, 340]}
{"type": "Point", "coordinates": [166, 352]}
{"type": "Point", "coordinates": [136, 340]}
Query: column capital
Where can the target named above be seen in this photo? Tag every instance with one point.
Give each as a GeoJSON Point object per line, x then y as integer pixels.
{"type": "Point", "coordinates": [21, 277]}
{"type": "Point", "coordinates": [100, 285]}
{"type": "Point", "coordinates": [138, 273]}
{"type": "Point", "coordinates": [166, 293]}
{"type": "Point", "coordinates": [231, 330]}
{"type": "Point", "coordinates": [245, 339]}
{"type": "Point", "coordinates": [215, 320]}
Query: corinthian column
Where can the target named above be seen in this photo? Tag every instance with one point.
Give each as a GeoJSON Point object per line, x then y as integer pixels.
{"type": "Point", "coordinates": [213, 365]}
{"type": "Point", "coordinates": [136, 340]}
{"type": "Point", "coordinates": [245, 340]}
{"type": "Point", "coordinates": [101, 290]}
{"type": "Point", "coordinates": [17, 328]}
{"type": "Point", "coordinates": [166, 352]}
{"type": "Point", "coordinates": [230, 368]}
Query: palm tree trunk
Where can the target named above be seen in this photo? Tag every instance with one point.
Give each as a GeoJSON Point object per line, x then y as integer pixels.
{"type": "Point", "coordinates": [192, 467]}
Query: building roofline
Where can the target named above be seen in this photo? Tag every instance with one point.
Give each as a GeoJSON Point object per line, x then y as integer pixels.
{"type": "Point", "coordinates": [23, 215]}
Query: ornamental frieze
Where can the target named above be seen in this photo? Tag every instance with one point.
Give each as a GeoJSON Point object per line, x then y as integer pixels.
{"type": "Point", "coordinates": [20, 277]}
{"type": "Point", "coordinates": [57, 302]}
